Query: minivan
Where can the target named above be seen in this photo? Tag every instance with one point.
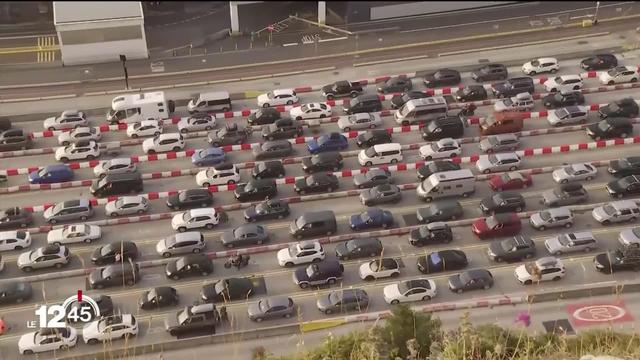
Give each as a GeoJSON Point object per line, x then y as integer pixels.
{"type": "Point", "coordinates": [421, 110]}
{"type": "Point", "coordinates": [314, 223]}
{"type": "Point", "coordinates": [446, 127]}
{"type": "Point", "coordinates": [363, 104]}
{"type": "Point", "coordinates": [445, 184]}
{"type": "Point", "coordinates": [380, 154]}
{"type": "Point", "coordinates": [117, 184]}
{"type": "Point", "coordinates": [502, 123]}
{"type": "Point", "coordinates": [210, 101]}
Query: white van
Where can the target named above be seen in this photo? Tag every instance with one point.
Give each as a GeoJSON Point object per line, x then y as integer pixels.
{"type": "Point", "coordinates": [421, 110]}
{"type": "Point", "coordinates": [132, 108]}
{"type": "Point", "coordinates": [380, 154]}
{"type": "Point", "coordinates": [210, 101]}
{"type": "Point", "coordinates": [448, 183]}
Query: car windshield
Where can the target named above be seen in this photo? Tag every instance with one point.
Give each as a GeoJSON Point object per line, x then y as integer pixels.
{"type": "Point", "coordinates": [532, 268]}
{"type": "Point", "coordinates": [264, 305]}
{"type": "Point", "coordinates": [489, 120]}
{"type": "Point", "coordinates": [636, 232]}
{"type": "Point", "coordinates": [270, 95]}
{"type": "Point", "coordinates": [119, 203]}
{"type": "Point", "coordinates": [335, 297]}
{"type": "Point", "coordinates": [603, 125]}
{"type": "Point", "coordinates": [304, 108]}
{"type": "Point", "coordinates": [374, 265]}
{"type": "Point", "coordinates": [493, 159]}
{"type": "Point", "coordinates": [608, 209]}
{"type": "Point", "coordinates": [370, 152]}
{"type": "Point", "coordinates": [249, 187]}
{"type": "Point", "coordinates": [42, 172]}
{"type": "Point", "coordinates": [365, 217]}
{"type": "Point", "coordinates": [351, 245]}
{"type": "Point", "coordinates": [562, 113]}
{"type": "Point", "coordinates": [312, 270]}
{"type": "Point", "coordinates": [406, 97]}
{"type": "Point", "coordinates": [404, 110]}
{"type": "Point", "coordinates": [564, 240]}
{"type": "Point", "coordinates": [558, 80]}
{"type": "Point", "coordinates": [612, 72]}
{"type": "Point", "coordinates": [403, 287]}
{"type": "Point", "coordinates": [545, 215]}
{"type": "Point", "coordinates": [293, 250]}
{"type": "Point", "coordinates": [493, 140]}
{"type": "Point", "coordinates": [535, 63]}
{"type": "Point", "coordinates": [467, 90]}
{"type": "Point", "coordinates": [170, 241]}
{"type": "Point", "coordinates": [183, 316]}
{"type": "Point", "coordinates": [180, 263]}
{"type": "Point", "coordinates": [105, 250]}
{"type": "Point", "coordinates": [220, 286]}
{"type": "Point", "coordinates": [626, 181]}
{"type": "Point", "coordinates": [58, 207]}
{"type": "Point", "coordinates": [465, 278]}
{"type": "Point", "coordinates": [222, 132]}
{"type": "Point", "coordinates": [186, 216]}
{"type": "Point", "coordinates": [507, 245]}
{"type": "Point", "coordinates": [492, 222]}
{"type": "Point", "coordinates": [107, 272]}
{"type": "Point", "coordinates": [570, 170]}
{"type": "Point", "coordinates": [613, 107]}
{"type": "Point", "coordinates": [507, 102]}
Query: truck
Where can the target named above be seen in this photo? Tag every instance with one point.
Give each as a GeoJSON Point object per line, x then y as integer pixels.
{"type": "Point", "coordinates": [341, 89]}
{"type": "Point", "coordinates": [132, 108]}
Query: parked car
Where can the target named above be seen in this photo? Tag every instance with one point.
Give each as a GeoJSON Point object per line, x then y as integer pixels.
{"type": "Point", "coordinates": [541, 65]}
{"type": "Point", "coordinates": [109, 328]}
{"type": "Point", "coordinates": [69, 234]}
{"type": "Point", "coordinates": [195, 218]}
{"type": "Point", "coordinates": [443, 260]}
{"type": "Point", "coordinates": [196, 122]}
{"type": "Point", "coordinates": [51, 174]}
{"type": "Point", "coordinates": [543, 269]}
{"type": "Point", "coordinates": [442, 77]}
{"type": "Point", "coordinates": [563, 98]}
{"type": "Point", "coordinates": [114, 166]}
{"type": "Point", "coordinates": [398, 100]}
{"type": "Point", "coordinates": [610, 128]}
{"type": "Point", "coordinates": [563, 82]}
{"type": "Point", "coordinates": [409, 291]}
{"type": "Point", "coordinates": [310, 111]}
{"type": "Point", "coordinates": [625, 108]}
{"type": "Point", "coordinates": [114, 275]}
{"type": "Point", "coordinates": [44, 257]}
{"type": "Point", "coordinates": [127, 205]}
{"type": "Point", "coordinates": [342, 89]}
{"type": "Point", "coordinates": [628, 185]}
{"type": "Point", "coordinates": [282, 129]}
{"type": "Point", "coordinates": [551, 218]}
{"type": "Point", "coordinates": [568, 116]}
{"type": "Point", "coordinates": [512, 249]}
{"type": "Point", "coordinates": [48, 339]}
{"type": "Point", "coordinates": [278, 97]}
{"type": "Point", "coordinates": [433, 167]}
{"type": "Point", "coordinates": [271, 308]}
{"type": "Point", "coordinates": [370, 219]}
{"type": "Point", "coordinates": [265, 116]}
{"type": "Point", "coordinates": [475, 279]}
{"type": "Point", "coordinates": [379, 269]}
{"type": "Point", "coordinates": [571, 242]}
{"type": "Point", "coordinates": [519, 102]}
{"type": "Point", "coordinates": [505, 224]}
{"type": "Point", "coordinates": [272, 149]}
{"type": "Point", "coordinates": [181, 243]}
{"type": "Point", "coordinates": [616, 211]}
{"type": "Point", "coordinates": [230, 289]}
{"type": "Point", "coordinates": [328, 142]}
{"type": "Point", "coordinates": [340, 301]}
{"type": "Point", "coordinates": [230, 134]}
{"type": "Point", "coordinates": [359, 121]}
{"type": "Point", "coordinates": [619, 74]}
{"type": "Point", "coordinates": [510, 181]}
{"type": "Point", "coordinates": [194, 318]}
{"type": "Point", "coordinates": [381, 194]}
{"type": "Point", "coordinates": [268, 169]}
{"type": "Point", "coordinates": [78, 134]}
{"type": "Point", "coordinates": [208, 157]}
{"type": "Point", "coordinates": [618, 260]}
{"type": "Point", "coordinates": [190, 198]}
{"type": "Point", "coordinates": [69, 119]}
{"type": "Point", "coordinates": [395, 84]}
{"type": "Point", "coordinates": [189, 265]}
{"type": "Point", "coordinates": [490, 72]}
{"type": "Point", "coordinates": [443, 210]}
{"type": "Point", "coordinates": [268, 209]}
{"type": "Point", "coordinates": [599, 62]}
{"type": "Point", "coordinates": [502, 202]}
{"type": "Point", "coordinates": [373, 137]}
{"type": "Point", "coordinates": [564, 195]}
{"type": "Point", "coordinates": [471, 93]}
{"type": "Point", "coordinates": [432, 233]}
{"type": "Point", "coordinates": [498, 162]}
{"type": "Point", "coordinates": [81, 150]}
{"type": "Point", "coordinates": [303, 252]}
{"type": "Point", "coordinates": [359, 248]}
{"type": "Point", "coordinates": [222, 174]}
{"type": "Point", "coordinates": [163, 143]}
{"type": "Point", "coordinates": [114, 252]}
{"type": "Point", "coordinates": [315, 183]}
{"type": "Point", "coordinates": [247, 234]}
{"type": "Point", "coordinates": [68, 210]}
{"type": "Point", "coordinates": [624, 166]}
{"type": "Point", "coordinates": [500, 142]}
{"type": "Point", "coordinates": [442, 148]}
{"type": "Point", "coordinates": [15, 292]}
{"type": "Point", "coordinates": [372, 178]}
{"type": "Point", "coordinates": [256, 189]}
{"type": "Point", "coordinates": [325, 272]}
{"type": "Point", "coordinates": [15, 139]}
{"type": "Point", "coordinates": [575, 172]}
{"type": "Point", "coordinates": [14, 240]}
{"type": "Point", "coordinates": [158, 297]}
{"type": "Point", "coordinates": [513, 87]}
{"type": "Point", "coordinates": [144, 128]}
{"type": "Point", "coordinates": [327, 161]}
{"type": "Point", "coordinates": [15, 217]}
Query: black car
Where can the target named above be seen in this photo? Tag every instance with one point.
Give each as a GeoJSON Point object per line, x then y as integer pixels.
{"type": "Point", "coordinates": [471, 93]}
{"type": "Point", "coordinates": [610, 128]}
{"type": "Point", "coordinates": [395, 85]}
{"type": "Point", "coordinates": [268, 169]}
{"type": "Point", "coordinates": [15, 217]}
{"type": "Point", "coordinates": [266, 210]}
{"type": "Point", "coordinates": [381, 194]}
{"type": "Point", "coordinates": [430, 168]}
{"type": "Point", "coordinates": [444, 210]}
{"type": "Point", "coordinates": [325, 161]}
{"type": "Point", "coordinates": [230, 289]}
{"type": "Point", "coordinates": [114, 252]}
{"type": "Point", "coordinates": [490, 72]}
{"type": "Point", "coordinates": [264, 116]}
{"type": "Point", "coordinates": [475, 279]}
{"type": "Point", "coordinates": [326, 272]}
{"type": "Point", "coordinates": [625, 166]}
{"type": "Point", "coordinates": [513, 87]}
{"type": "Point", "coordinates": [398, 100]}
{"type": "Point", "coordinates": [229, 135]}
{"type": "Point", "coordinates": [282, 129]}
{"type": "Point", "coordinates": [127, 273]}
{"type": "Point", "coordinates": [373, 137]}
{"type": "Point", "coordinates": [105, 306]}
{"type": "Point", "coordinates": [196, 318]}
{"type": "Point", "coordinates": [314, 183]}
{"type": "Point", "coordinates": [599, 62]}
{"type": "Point", "coordinates": [627, 258]}
{"type": "Point", "coordinates": [512, 249]}
{"type": "Point", "coordinates": [502, 202]}
{"type": "Point", "coordinates": [359, 248]}
{"type": "Point", "coordinates": [343, 300]}
{"type": "Point", "coordinates": [15, 292]}
{"type": "Point", "coordinates": [628, 185]}
{"type": "Point", "coordinates": [444, 260]}
{"type": "Point", "coordinates": [442, 77]}
{"type": "Point", "coordinates": [256, 189]}
{"type": "Point", "coordinates": [189, 265]}
{"type": "Point", "coordinates": [433, 233]}
{"type": "Point", "coordinates": [372, 178]}
{"type": "Point", "coordinates": [190, 198]}
{"type": "Point", "coordinates": [626, 108]}
{"type": "Point", "coordinates": [562, 99]}
{"type": "Point", "coordinates": [158, 297]}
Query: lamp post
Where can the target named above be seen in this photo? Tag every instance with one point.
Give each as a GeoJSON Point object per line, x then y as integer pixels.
{"type": "Point", "coordinates": [595, 15]}
{"type": "Point", "coordinates": [123, 58]}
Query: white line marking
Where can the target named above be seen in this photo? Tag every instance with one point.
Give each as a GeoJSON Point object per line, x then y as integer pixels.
{"type": "Point", "coordinates": [334, 39]}
{"type": "Point", "coordinates": [290, 44]}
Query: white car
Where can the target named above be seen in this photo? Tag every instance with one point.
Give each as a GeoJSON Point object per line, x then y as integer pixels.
{"type": "Point", "coordinates": [163, 143]}
{"type": "Point", "coordinates": [110, 328]}
{"type": "Point", "coordinates": [409, 290]}
{"type": "Point", "coordinates": [47, 339]}
{"type": "Point", "coordinates": [81, 150]}
{"type": "Point", "coordinates": [359, 121]}
{"type": "Point", "coordinates": [498, 162]}
{"type": "Point", "coordinates": [79, 133]}
{"type": "Point", "coordinates": [226, 174]}
{"type": "Point", "coordinates": [70, 234]}
{"type": "Point", "coordinates": [127, 205]}
{"type": "Point", "coordinates": [619, 74]}
{"type": "Point", "coordinates": [379, 268]}
{"type": "Point", "coordinates": [278, 97]}
{"type": "Point", "coordinates": [14, 240]}
{"type": "Point", "coordinates": [541, 65]}
{"type": "Point", "coordinates": [310, 111]}
{"type": "Point", "coordinates": [197, 122]}
{"type": "Point", "coordinates": [564, 83]}
{"type": "Point", "coordinates": [144, 128]}
{"type": "Point", "coordinates": [575, 172]}
{"type": "Point", "coordinates": [442, 148]}
{"type": "Point", "coordinates": [195, 218]}
{"type": "Point", "coordinates": [301, 253]}
{"type": "Point", "coordinates": [568, 115]}
{"type": "Point", "coordinates": [114, 166]}
{"type": "Point", "coordinates": [543, 269]}
{"type": "Point", "coordinates": [520, 102]}
{"type": "Point", "coordinates": [69, 119]}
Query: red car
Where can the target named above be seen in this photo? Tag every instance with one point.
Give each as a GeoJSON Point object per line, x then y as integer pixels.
{"type": "Point", "coordinates": [505, 224]}
{"type": "Point", "coordinates": [510, 181]}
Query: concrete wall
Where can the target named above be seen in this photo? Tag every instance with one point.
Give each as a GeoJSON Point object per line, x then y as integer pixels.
{"type": "Point", "coordinates": [428, 7]}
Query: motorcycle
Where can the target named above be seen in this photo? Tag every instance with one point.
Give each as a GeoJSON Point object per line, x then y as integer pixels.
{"type": "Point", "coordinates": [468, 110]}
{"type": "Point", "coordinates": [230, 262]}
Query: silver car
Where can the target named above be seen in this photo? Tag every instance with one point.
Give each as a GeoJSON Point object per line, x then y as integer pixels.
{"type": "Point", "coordinates": [272, 149]}
{"type": "Point", "coordinates": [568, 116]}
{"type": "Point", "coordinates": [571, 242]}
{"type": "Point", "coordinates": [630, 237]}
{"type": "Point", "coordinates": [551, 218]}
{"type": "Point", "coordinates": [181, 243]}
{"type": "Point", "coordinates": [575, 172]}
{"type": "Point", "coordinates": [69, 210]}
{"type": "Point", "coordinates": [127, 205]}
{"type": "Point", "coordinates": [359, 121]}
{"type": "Point", "coordinates": [498, 162]}
{"type": "Point", "coordinates": [114, 166]}
{"type": "Point", "coordinates": [198, 122]}
{"type": "Point", "coordinates": [78, 134]}
{"type": "Point", "coordinates": [616, 211]}
{"type": "Point", "coordinates": [271, 308]}
{"type": "Point", "coordinates": [501, 142]}
{"type": "Point", "coordinates": [44, 257]}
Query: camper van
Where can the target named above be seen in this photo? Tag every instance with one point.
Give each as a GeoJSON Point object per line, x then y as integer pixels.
{"type": "Point", "coordinates": [132, 108]}
{"type": "Point", "coordinates": [447, 184]}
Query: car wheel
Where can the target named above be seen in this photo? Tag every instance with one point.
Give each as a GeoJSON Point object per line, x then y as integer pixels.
{"type": "Point", "coordinates": [59, 265]}
{"type": "Point", "coordinates": [587, 249]}
{"type": "Point", "coordinates": [557, 278]}
{"type": "Point", "coordinates": [395, 302]}
{"type": "Point", "coordinates": [176, 149]}
{"type": "Point", "coordinates": [64, 159]}
{"type": "Point", "coordinates": [265, 105]}
{"type": "Point", "coordinates": [632, 219]}
{"type": "Point", "coordinates": [27, 269]}
{"type": "Point", "coordinates": [426, 298]}
{"type": "Point", "coordinates": [623, 135]}
{"type": "Point", "coordinates": [258, 319]}
{"type": "Point", "coordinates": [395, 274]}
{"type": "Point", "coordinates": [487, 287]}
{"type": "Point", "coordinates": [130, 282]}
{"type": "Point", "coordinates": [215, 144]}
{"type": "Point", "coordinates": [209, 226]}
{"type": "Point", "coordinates": [611, 82]}
{"type": "Point", "coordinates": [368, 163]}
{"type": "Point", "coordinates": [135, 136]}
{"type": "Point", "coordinates": [58, 243]}
{"type": "Point", "coordinates": [513, 168]}
{"type": "Point", "coordinates": [528, 256]}
{"type": "Point", "coordinates": [459, 291]}
{"type": "Point", "coordinates": [519, 209]}
{"type": "Point", "coordinates": [301, 192]}
{"type": "Point", "coordinates": [322, 116]}
{"type": "Point", "coordinates": [183, 131]}
{"type": "Point", "coordinates": [620, 196]}
{"type": "Point", "coordinates": [369, 278]}
{"type": "Point", "coordinates": [568, 225]}
{"type": "Point", "coordinates": [287, 315]}
{"type": "Point", "coordinates": [428, 158]}
{"type": "Point", "coordinates": [182, 229]}
{"type": "Point", "coordinates": [289, 264]}
{"type": "Point", "coordinates": [393, 161]}
{"type": "Point", "coordinates": [532, 73]}
{"type": "Point", "coordinates": [347, 129]}
{"type": "Point", "coordinates": [114, 214]}
{"type": "Point", "coordinates": [486, 171]}
{"type": "Point", "coordinates": [175, 277]}
{"type": "Point", "coordinates": [229, 245]}
{"type": "Point", "coordinates": [528, 282]}
{"type": "Point", "coordinates": [93, 341]}
{"type": "Point", "coordinates": [205, 273]}
{"type": "Point", "coordinates": [606, 222]}
{"type": "Point", "coordinates": [140, 212]}
{"type": "Point", "coordinates": [554, 90]}
{"type": "Point", "coordinates": [151, 151]}
{"type": "Point", "coordinates": [542, 228]}
{"type": "Point", "coordinates": [498, 259]}
{"type": "Point", "coordinates": [634, 80]}
{"type": "Point", "coordinates": [206, 184]}
{"type": "Point", "coordinates": [166, 255]}
{"type": "Point", "coordinates": [303, 285]}
{"type": "Point", "coordinates": [53, 221]}
{"type": "Point", "coordinates": [557, 253]}
{"type": "Point", "coordinates": [328, 312]}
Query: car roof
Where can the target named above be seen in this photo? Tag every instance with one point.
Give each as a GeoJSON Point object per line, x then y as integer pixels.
{"type": "Point", "coordinates": [479, 273]}
{"type": "Point", "coordinates": [195, 191]}
{"type": "Point", "coordinates": [169, 136]}
{"type": "Point", "coordinates": [69, 113]}
{"type": "Point", "coordinates": [568, 77]}
{"type": "Point", "coordinates": [447, 142]}
{"type": "Point", "coordinates": [309, 244]}
{"type": "Point", "coordinates": [573, 109]}
{"type": "Point", "coordinates": [506, 217]}
{"type": "Point", "coordinates": [389, 263]}
{"type": "Point", "coordinates": [514, 175]}
{"type": "Point", "coordinates": [507, 155]}
{"type": "Point", "coordinates": [445, 204]}
{"type": "Point", "coordinates": [366, 241]}
{"type": "Point", "coordinates": [559, 211]}
{"type": "Point", "coordinates": [132, 199]}
{"type": "Point", "coordinates": [279, 301]}
{"type": "Point", "coordinates": [415, 283]}
{"type": "Point", "coordinates": [202, 212]}
{"type": "Point", "coordinates": [549, 262]}
{"type": "Point", "coordinates": [624, 204]}
{"type": "Point", "coordinates": [571, 187]}
{"type": "Point", "coordinates": [283, 92]}
{"type": "Point", "coordinates": [436, 225]}
{"type": "Point", "coordinates": [75, 203]}
{"type": "Point", "coordinates": [547, 59]}
{"type": "Point", "coordinates": [247, 228]}
{"type": "Point", "coordinates": [119, 161]}
{"type": "Point", "coordinates": [149, 122]}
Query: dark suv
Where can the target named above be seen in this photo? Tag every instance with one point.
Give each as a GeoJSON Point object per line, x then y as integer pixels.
{"type": "Point", "coordinates": [625, 166]}
{"type": "Point", "coordinates": [196, 318]}
{"type": "Point", "coordinates": [256, 189]}
{"type": "Point", "coordinates": [326, 272]}
{"type": "Point", "coordinates": [229, 135]}
{"type": "Point", "coordinates": [326, 161]}
{"type": "Point", "coordinates": [436, 166]}
{"type": "Point", "coordinates": [440, 211]}
{"type": "Point", "coordinates": [490, 72]}
{"type": "Point", "coordinates": [430, 234]}
{"type": "Point", "coordinates": [359, 248]}
{"type": "Point", "coordinates": [512, 249]}
{"type": "Point", "coordinates": [513, 87]}
{"type": "Point", "coordinates": [268, 169]}
{"type": "Point", "coordinates": [610, 128]}
{"type": "Point", "coordinates": [502, 202]}
{"type": "Point", "coordinates": [562, 99]}
{"type": "Point", "coordinates": [626, 108]}
{"type": "Point", "coordinates": [373, 137]}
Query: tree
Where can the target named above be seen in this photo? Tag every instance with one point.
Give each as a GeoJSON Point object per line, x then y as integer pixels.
{"type": "Point", "coordinates": [404, 325]}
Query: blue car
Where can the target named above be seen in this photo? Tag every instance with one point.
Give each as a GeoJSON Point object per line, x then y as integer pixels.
{"type": "Point", "coordinates": [210, 156]}
{"type": "Point", "coordinates": [372, 218]}
{"type": "Point", "coordinates": [51, 174]}
{"type": "Point", "coordinates": [328, 142]}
